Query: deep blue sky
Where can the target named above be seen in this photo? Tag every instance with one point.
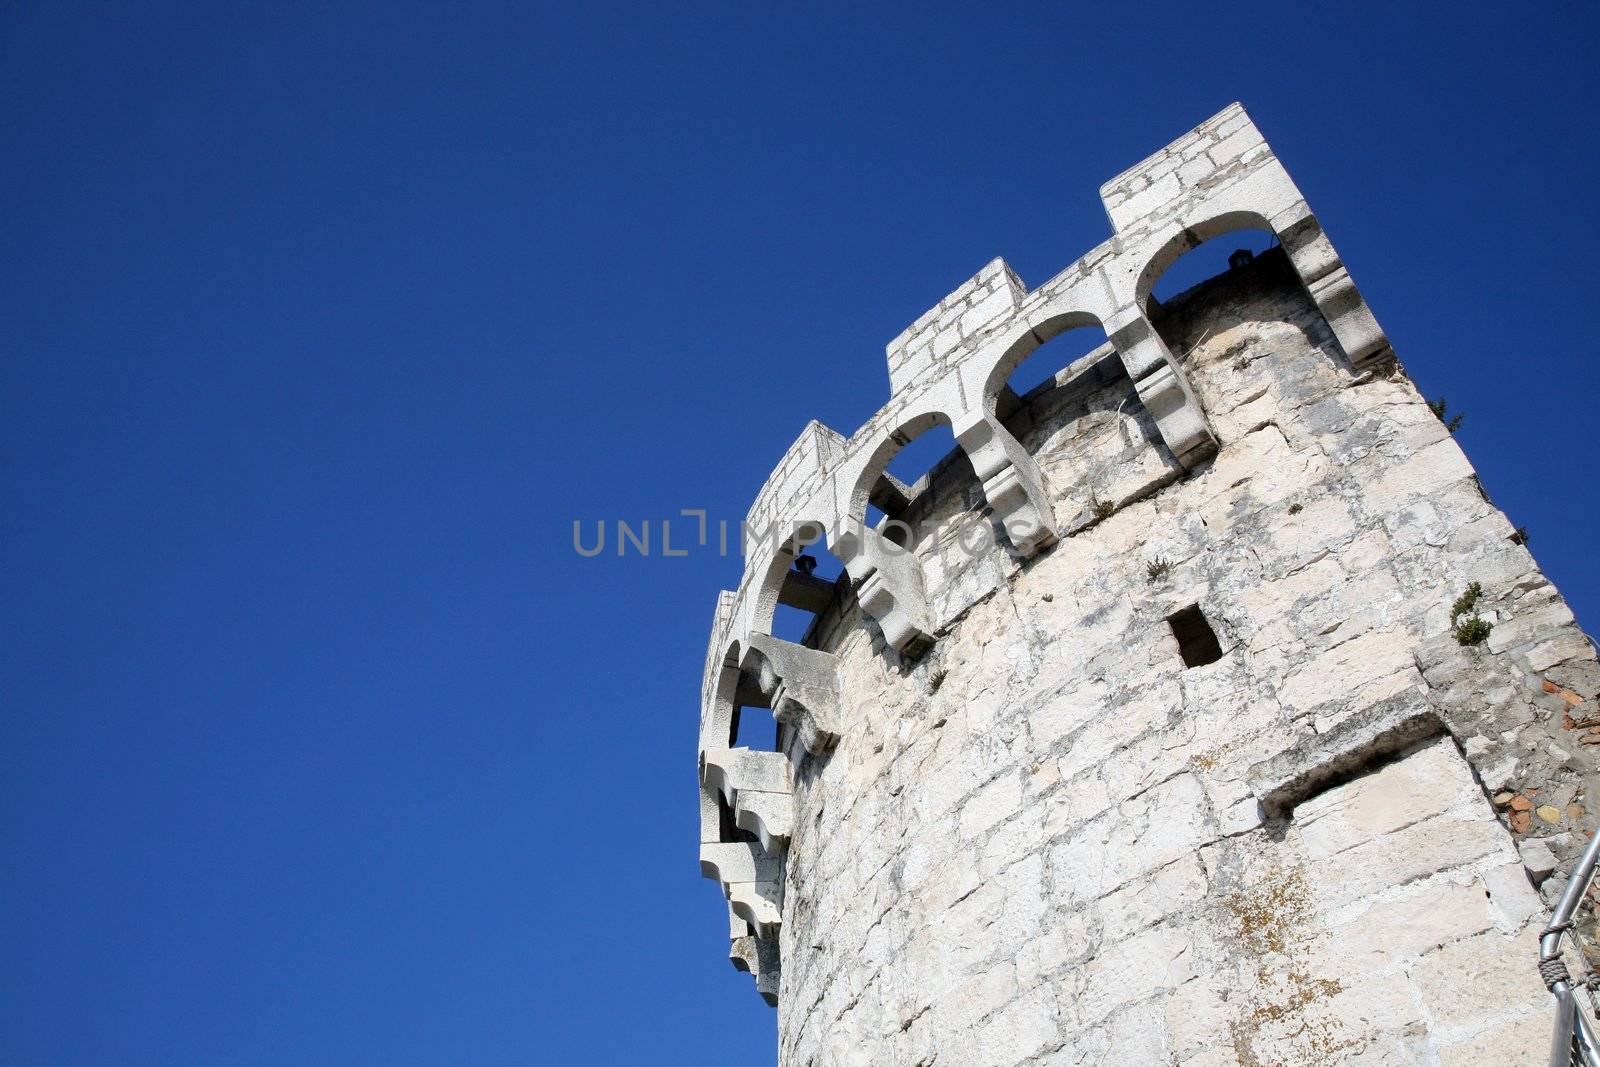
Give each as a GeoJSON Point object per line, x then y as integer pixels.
{"type": "Point", "coordinates": [323, 322]}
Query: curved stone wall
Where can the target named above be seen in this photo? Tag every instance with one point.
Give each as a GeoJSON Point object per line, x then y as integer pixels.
{"type": "Point", "coordinates": [1023, 813]}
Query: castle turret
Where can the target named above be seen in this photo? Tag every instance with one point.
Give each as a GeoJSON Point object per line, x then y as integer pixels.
{"type": "Point", "coordinates": [1199, 708]}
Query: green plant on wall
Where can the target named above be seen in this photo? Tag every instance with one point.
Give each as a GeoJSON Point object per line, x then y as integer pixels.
{"type": "Point", "coordinates": [1439, 407]}
{"type": "Point", "coordinates": [1469, 627]}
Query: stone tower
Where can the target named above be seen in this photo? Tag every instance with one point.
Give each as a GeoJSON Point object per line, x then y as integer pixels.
{"type": "Point", "coordinates": [1163, 721]}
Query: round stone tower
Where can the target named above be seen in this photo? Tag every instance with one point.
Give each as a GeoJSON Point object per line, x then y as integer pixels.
{"type": "Point", "coordinates": [1199, 708]}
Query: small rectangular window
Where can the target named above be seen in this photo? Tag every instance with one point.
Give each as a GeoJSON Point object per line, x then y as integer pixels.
{"type": "Point", "coordinates": [1197, 642]}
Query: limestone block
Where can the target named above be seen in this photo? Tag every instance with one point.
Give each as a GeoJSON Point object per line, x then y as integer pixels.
{"type": "Point", "coordinates": [1452, 979]}
{"type": "Point", "coordinates": [1198, 1017]}
{"type": "Point", "coordinates": [1428, 471]}
{"type": "Point", "coordinates": [1127, 971]}
{"type": "Point", "coordinates": [1168, 821]}
{"type": "Point", "coordinates": [729, 770]}
{"type": "Point", "coordinates": [802, 685]}
{"type": "Point", "coordinates": [770, 816]}
{"type": "Point", "coordinates": [1138, 1036]}
{"type": "Point", "coordinates": [1396, 929]}
{"type": "Point", "coordinates": [997, 801]}
{"type": "Point", "coordinates": [1432, 781]}
{"type": "Point", "coordinates": [1075, 803]}
{"type": "Point", "coordinates": [1068, 710]}
{"type": "Point", "coordinates": [1429, 847]}
{"type": "Point", "coordinates": [1512, 899]}
{"type": "Point", "coordinates": [1147, 901]}
{"type": "Point", "coordinates": [1537, 858]}
{"type": "Point", "coordinates": [1515, 1040]}
{"type": "Point", "coordinates": [739, 861]}
{"type": "Point", "coordinates": [1023, 1029]}
{"type": "Point", "coordinates": [1067, 940]}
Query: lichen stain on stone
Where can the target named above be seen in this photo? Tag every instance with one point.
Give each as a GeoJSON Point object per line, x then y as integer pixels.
{"type": "Point", "coordinates": [1266, 915]}
{"type": "Point", "coordinates": [1271, 918]}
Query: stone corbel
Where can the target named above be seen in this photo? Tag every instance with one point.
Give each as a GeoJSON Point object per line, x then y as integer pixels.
{"type": "Point", "coordinates": [756, 785]}
{"type": "Point", "coordinates": [737, 862]}
{"type": "Point", "coordinates": [1163, 388]}
{"type": "Point", "coordinates": [770, 816]}
{"type": "Point", "coordinates": [758, 903]}
{"type": "Point", "coordinates": [1012, 481]}
{"type": "Point", "coordinates": [889, 586]}
{"type": "Point", "coordinates": [802, 686]}
{"type": "Point", "coordinates": [758, 957]}
{"type": "Point", "coordinates": [1331, 288]}
{"type": "Point", "coordinates": [1315, 762]}
{"type": "Point", "coordinates": [751, 878]}
{"type": "Point", "coordinates": [729, 770]}
{"type": "Point", "coordinates": [751, 875]}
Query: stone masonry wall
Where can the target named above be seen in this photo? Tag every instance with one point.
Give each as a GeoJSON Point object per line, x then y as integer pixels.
{"type": "Point", "coordinates": [1043, 842]}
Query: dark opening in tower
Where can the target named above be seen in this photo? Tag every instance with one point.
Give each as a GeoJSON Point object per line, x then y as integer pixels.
{"type": "Point", "coordinates": [1197, 642]}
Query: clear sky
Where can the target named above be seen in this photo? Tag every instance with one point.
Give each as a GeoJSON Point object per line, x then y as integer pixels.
{"type": "Point", "coordinates": [322, 322]}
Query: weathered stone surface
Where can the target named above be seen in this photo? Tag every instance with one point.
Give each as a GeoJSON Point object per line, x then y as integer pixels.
{"type": "Point", "coordinates": [1040, 836]}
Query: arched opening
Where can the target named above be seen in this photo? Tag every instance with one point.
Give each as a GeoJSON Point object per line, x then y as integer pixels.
{"type": "Point", "coordinates": [725, 726]}
{"type": "Point", "coordinates": [1044, 366]}
{"type": "Point", "coordinates": [738, 716]}
{"type": "Point", "coordinates": [1231, 251]}
{"type": "Point", "coordinates": [906, 474]}
{"type": "Point", "coordinates": [922, 454]}
{"type": "Point", "coordinates": [811, 583]}
{"type": "Point", "coordinates": [736, 690]}
{"type": "Point", "coordinates": [1053, 354]}
{"type": "Point", "coordinates": [722, 728]}
{"type": "Point", "coordinates": [1208, 279]}
{"type": "Point", "coordinates": [1211, 245]}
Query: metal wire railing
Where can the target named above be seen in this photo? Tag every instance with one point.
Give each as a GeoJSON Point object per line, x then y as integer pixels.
{"type": "Point", "coordinates": [1573, 1044]}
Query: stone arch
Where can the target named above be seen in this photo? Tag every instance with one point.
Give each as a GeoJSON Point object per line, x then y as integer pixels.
{"type": "Point", "coordinates": [877, 462]}
{"type": "Point", "coordinates": [1316, 265]}
{"type": "Point", "coordinates": [1009, 478]}
{"type": "Point", "coordinates": [718, 726]}
{"type": "Point", "coordinates": [787, 541]}
{"type": "Point", "coordinates": [1187, 239]}
{"type": "Point", "coordinates": [1024, 347]}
